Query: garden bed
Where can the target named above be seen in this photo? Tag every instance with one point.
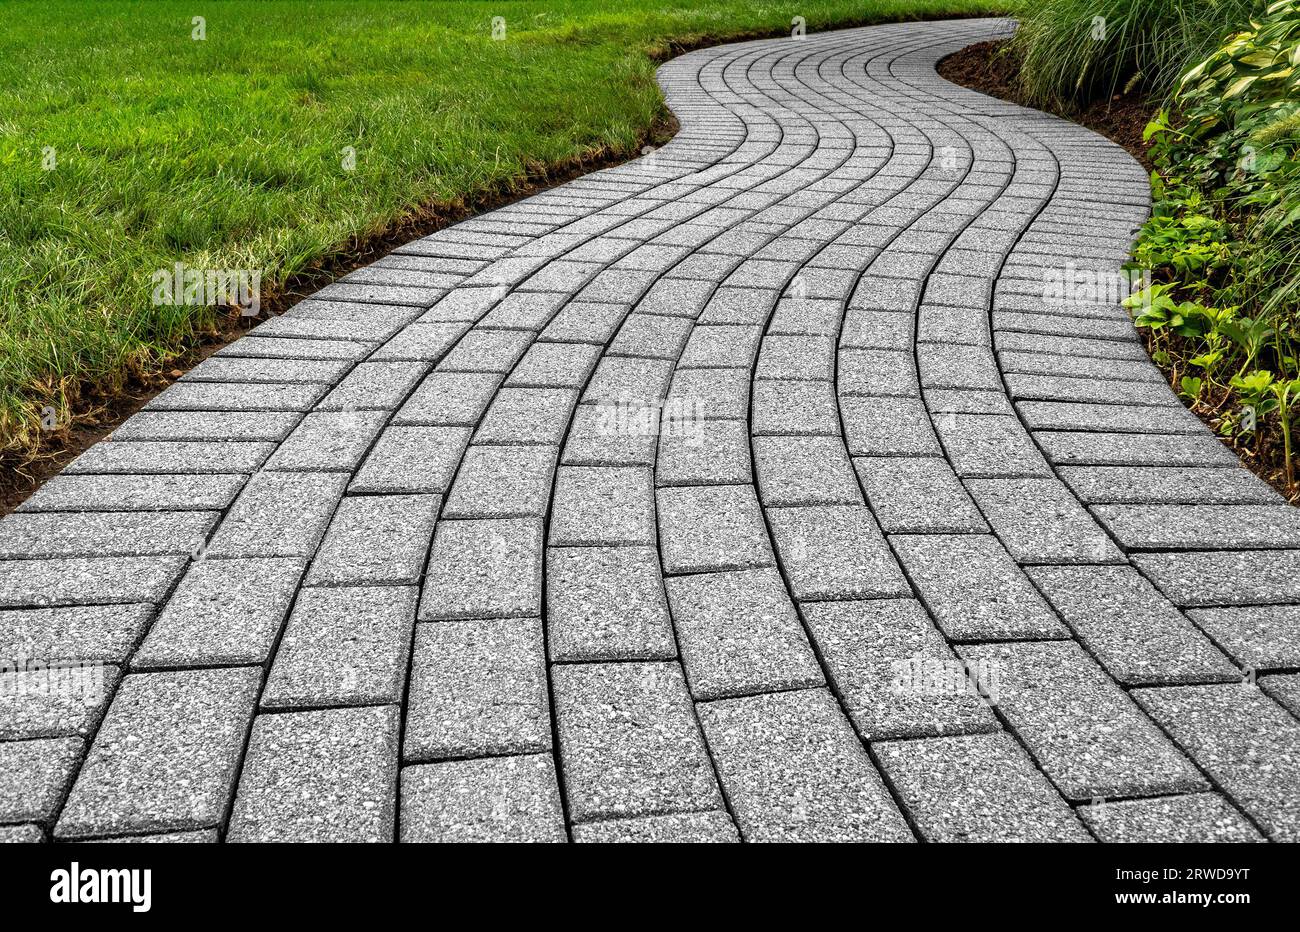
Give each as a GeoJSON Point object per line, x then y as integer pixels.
{"type": "Point", "coordinates": [992, 68]}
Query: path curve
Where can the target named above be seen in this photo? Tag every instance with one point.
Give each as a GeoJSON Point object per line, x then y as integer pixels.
{"type": "Point", "coordinates": [684, 501]}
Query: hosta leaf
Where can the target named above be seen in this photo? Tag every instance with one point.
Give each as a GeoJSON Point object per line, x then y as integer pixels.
{"type": "Point", "coordinates": [1260, 58]}
{"type": "Point", "coordinates": [1238, 86]}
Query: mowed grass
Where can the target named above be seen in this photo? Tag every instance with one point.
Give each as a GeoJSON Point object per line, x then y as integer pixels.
{"type": "Point", "coordinates": [228, 153]}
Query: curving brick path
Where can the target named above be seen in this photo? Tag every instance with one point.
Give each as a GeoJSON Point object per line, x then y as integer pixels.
{"type": "Point", "coordinates": [684, 501]}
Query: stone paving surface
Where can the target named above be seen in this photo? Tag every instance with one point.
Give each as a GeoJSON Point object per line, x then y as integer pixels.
{"type": "Point", "coordinates": [757, 489]}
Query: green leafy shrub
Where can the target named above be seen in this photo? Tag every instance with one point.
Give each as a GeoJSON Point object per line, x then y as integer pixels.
{"type": "Point", "coordinates": [1223, 241]}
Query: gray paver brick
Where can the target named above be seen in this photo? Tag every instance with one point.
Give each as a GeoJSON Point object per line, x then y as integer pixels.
{"type": "Point", "coordinates": [796, 357]}
{"type": "Point", "coordinates": [449, 399]}
{"type": "Point", "coordinates": [794, 407]}
{"type": "Point", "coordinates": [720, 347]}
{"type": "Point", "coordinates": [487, 351]}
{"type": "Point", "coordinates": [411, 459]}
{"type": "Point", "coordinates": [34, 775]}
{"type": "Point", "coordinates": [977, 788]}
{"type": "Point", "coordinates": [877, 329]}
{"type": "Point", "coordinates": [1285, 690]}
{"type": "Point", "coordinates": [1258, 636]}
{"type": "Point", "coordinates": [527, 415]}
{"type": "Point", "coordinates": [345, 646]}
{"type": "Point", "coordinates": [584, 321]}
{"type": "Point", "coordinates": [87, 580]}
{"type": "Point", "coordinates": [484, 569]}
{"type": "Point", "coordinates": [710, 452]}
{"type": "Point", "coordinates": [278, 514]}
{"type": "Point", "coordinates": [104, 534]}
{"type": "Point", "coordinates": [1240, 577]}
{"type": "Point", "coordinates": [134, 493]}
{"type": "Point", "coordinates": [806, 317]}
{"type": "Point", "coordinates": [804, 471]}
{"type": "Point", "coordinates": [613, 435]}
{"type": "Point", "coordinates": [1039, 521]}
{"type": "Point", "coordinates": [607, 603]}
{"type": "Point", "coordinates": [944, 401]}
{"type": "Point", "coordinates": [1244, 740]}
{"type": "Point", "coordinates": [524, 310]}
{"type": "Point", "coordinates": [629, 742]}
{"type": "Point", "coordinates": [165, 758]}
{"type": "Point", "coordinates": [602, 505]}
{"type": "Point", "coordinates": [973, 588]}
{"type": "Point", "coordinates": [328, 440]}
{"type": "Point", "coordinates": [624, 379]}
{"type": "Point", "coordinates": [555, 365]}
{"type": "Point", "coordinates": [715, 393]}
{"type": "Point", "coordinates": [953, 365]}
{"type": "Point", "coordinates": [502, 482]}
{"type": "Point", "coordinates": [917, 495]}
{"type": "Point", "coordinates": [421, 342]}
{"type": "Point", "coordinates": [1137, 419]}
{"type": "Point", "coordinates": [208, 836]}
{"type": "Point", "coordinates": [478, 688]}
{"type": "Point", "coordinates": [21, 834]}
{"type": "Point", "coordinates": [740, 634]}
{"type": "Point", "coordinates": [376, 539]}
{"type": "Point", "coordinates": [834, 552]}
{"type": "Point", "coordinates": [887, 427]}
{"type": "Point", "coordinates": [319, 776]}
{"type": "Point", "coordinates": [216, 426]}
{"type": "Point", "coordinates": [121, 456]}
{"type": "Point", "coordinates": [705, 528]}
{"type": "Point", "coordinates": [1197, 817]}
{"type": "Point", "coordinates": [59, 700]}
{"type": "Point", "coordinates": [655, 336]}
{"type": "Point", "coordinates": [495, 799]}
{"type": "Point", "coordinates": [793, 770]}
{"type": "Point", "coordinates": [686, 828]}
{"type": "Point", "coordinates": [1084, 731]}
{"type": "Point", "coordinates": [1089, 390]}
{"type": "Point", "coordinates": [1205, 527]}
{"type": "Point", "coordinates": [374, 385]}
{"type": "Point", "coordinates": [989, 445]}
{"type": "Point", "coordinates": [230, 369]}
{"type": "Point", "coordinates": [893, 671]}
{"type": "Point", "coordinates": [238, 396]}
{"type": "Point", "coordinates": [224, 612]}
{"type": "Point", "coordinates": [1133, 631]}
{"type": "Point", "coordinates": [90, 633]}
{"type": "Point", "coordinates": [1167, 484]}
{"type": "Point", "coordinates": [1075, 448]}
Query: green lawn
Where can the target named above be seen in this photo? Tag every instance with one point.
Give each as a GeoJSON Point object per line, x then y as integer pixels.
{"type": "Point", "coordinates": [228, 153]}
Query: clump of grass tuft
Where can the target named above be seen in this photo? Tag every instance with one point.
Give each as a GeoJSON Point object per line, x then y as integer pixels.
{"type": "Point", "coordinates": [1075, 51]}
